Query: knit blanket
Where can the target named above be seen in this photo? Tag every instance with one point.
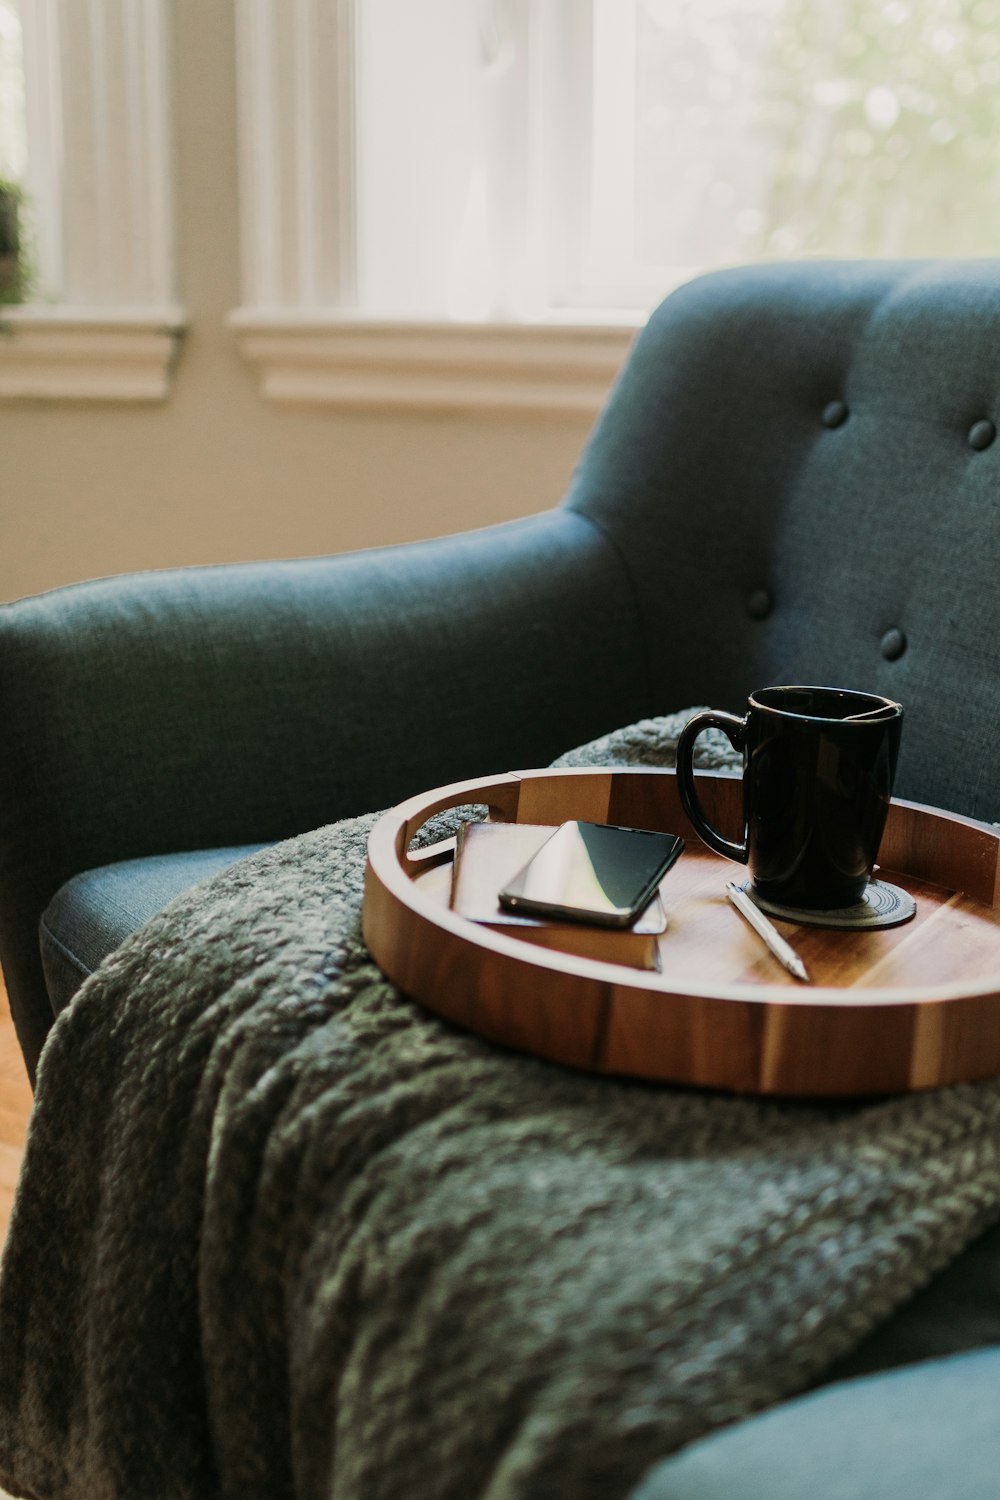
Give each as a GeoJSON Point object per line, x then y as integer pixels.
{"type": "Point", "coordinates": [281, 1232]}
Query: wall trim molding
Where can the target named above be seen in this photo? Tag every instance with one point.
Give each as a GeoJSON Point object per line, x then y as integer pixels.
{"type": "Point", "coordinates": [80, 353]}
{"type": "Point", "coordinates": [349, 361]}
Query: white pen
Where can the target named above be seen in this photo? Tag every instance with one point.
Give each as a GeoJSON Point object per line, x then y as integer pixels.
{"type": "Point", "coordinates": [783, 952]}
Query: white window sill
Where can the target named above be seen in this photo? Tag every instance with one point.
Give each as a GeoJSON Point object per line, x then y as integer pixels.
{"type": "Point", "coordinates": [356, 362]}
{"type": "Point", "coordinates": [64, 353]}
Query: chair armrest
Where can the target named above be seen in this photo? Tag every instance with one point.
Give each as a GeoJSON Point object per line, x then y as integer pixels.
{"type": "Point", "coordinates": [220, 706]}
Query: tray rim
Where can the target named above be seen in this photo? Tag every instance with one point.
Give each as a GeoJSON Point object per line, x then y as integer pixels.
{"type": "Point", "coordinates": [761, 1038]}
{"type": "Point", "coordinates": [400, 875]}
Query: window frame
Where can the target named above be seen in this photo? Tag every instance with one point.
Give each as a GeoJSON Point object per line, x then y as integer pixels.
{"type": "Point", "coordinates": [552, 360]}
{"type": "Point", "coordinates": [106, 324]}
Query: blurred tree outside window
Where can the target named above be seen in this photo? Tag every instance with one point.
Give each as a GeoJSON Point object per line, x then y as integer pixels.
{"type": "Point", "coordinates": [780, 128]}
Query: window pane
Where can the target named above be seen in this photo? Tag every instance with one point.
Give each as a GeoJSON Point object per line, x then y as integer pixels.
{"type": "Point", "coordinates": [789, 127]}
{"type": "Point", "coordinates": [702, 159]}
{"type": "Point", "coordinates": [13, 136]}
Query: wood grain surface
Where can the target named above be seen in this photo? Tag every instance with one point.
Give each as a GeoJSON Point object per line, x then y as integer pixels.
{"type": "Point", "coordinates": [889, 1010]}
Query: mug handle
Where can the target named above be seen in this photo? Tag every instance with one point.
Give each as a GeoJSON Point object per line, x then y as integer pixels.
{"type": "Point", "coordinates": [735, 731]}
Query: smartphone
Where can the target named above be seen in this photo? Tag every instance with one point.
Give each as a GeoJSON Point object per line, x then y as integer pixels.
{"type": "Point", "coordinates": [593, 872]}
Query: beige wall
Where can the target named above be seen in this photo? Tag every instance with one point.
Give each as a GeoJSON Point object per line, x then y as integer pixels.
{"type": "Point", "coordinates": [215, 473]}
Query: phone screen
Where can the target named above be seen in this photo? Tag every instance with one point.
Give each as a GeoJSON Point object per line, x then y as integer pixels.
{"type": "Point", "coordinates": [593, 872]}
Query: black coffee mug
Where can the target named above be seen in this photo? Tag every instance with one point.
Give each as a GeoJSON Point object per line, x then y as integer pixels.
{"type": "Point", "coordinates": [818, 769]}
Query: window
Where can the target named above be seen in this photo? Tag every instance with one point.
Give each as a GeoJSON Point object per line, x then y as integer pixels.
{"type": "Point", "coordinates": [85, 132]}
{"type": "Point", "coordinates": [497, 165]}
{"type": "Point", "coordinates": [13, 150]}
{"type": "Point", "coordinates": [736, 130]}
{"type": "Point", "coordinates": [389, 204]}
{"type": "Point", "coordinates": [13, 139]}
{"type": "Point", "coordinates": [479, 196]}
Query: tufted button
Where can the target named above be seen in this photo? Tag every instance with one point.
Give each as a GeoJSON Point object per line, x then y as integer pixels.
{"type": "Point", "coordinates": [981, 434]}
{"type": "Point", "coordinates": [893, 644]}
{"type": "Point", "coordinates": [833, 414]}
{"type": "Point", "coordinates": [759, 604]}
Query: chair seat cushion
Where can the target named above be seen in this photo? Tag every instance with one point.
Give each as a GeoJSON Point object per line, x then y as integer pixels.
{"type": "Point", "coordinates": [94, 912]}
{"type": "Point", "coordinates": [930, 1429]}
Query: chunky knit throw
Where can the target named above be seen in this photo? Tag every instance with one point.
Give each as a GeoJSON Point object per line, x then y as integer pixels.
{"type": "Point", "coordinates": [281, 1232]}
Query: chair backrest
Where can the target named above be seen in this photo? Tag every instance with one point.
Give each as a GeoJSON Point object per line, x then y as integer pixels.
{"type": "Point", "coordinates": [799, 467]}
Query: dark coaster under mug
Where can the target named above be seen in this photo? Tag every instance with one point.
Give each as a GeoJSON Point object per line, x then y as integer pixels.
{"type": "Point", "coordinates": [883, 905]}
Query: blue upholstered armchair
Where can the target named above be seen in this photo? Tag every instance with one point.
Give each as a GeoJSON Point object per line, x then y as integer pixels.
{"type": "Point", "coordinates": [795, 478]}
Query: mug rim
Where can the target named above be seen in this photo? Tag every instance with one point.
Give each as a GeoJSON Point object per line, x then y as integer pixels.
{"type": "Point", "coordinates": [877, 700]}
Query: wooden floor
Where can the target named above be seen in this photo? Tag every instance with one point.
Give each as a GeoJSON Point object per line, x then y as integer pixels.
{"type": "Point", "coordinates": [15, 1106]}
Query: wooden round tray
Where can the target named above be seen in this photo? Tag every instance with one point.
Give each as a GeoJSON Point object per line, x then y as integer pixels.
{"type": "Point", "coordinates": [891, 1010]}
